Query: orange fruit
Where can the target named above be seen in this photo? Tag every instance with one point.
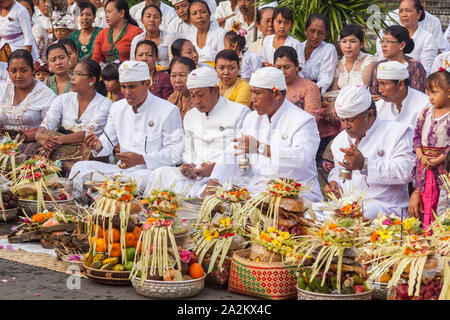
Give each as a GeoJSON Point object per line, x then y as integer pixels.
{"type": "Point", "coordinates": [137, 232]}
{"type": "Point", "coordinates": [130, 240]}
{"type": "Point", "coordinates": [169, 275]}
{"type": "Point", "coordinates": [196, 271]}
{"type": "Point", "coordinates": [385, 277]}
{"type": "Point", "coordinates": [115, 235]}
{"type": "Point", "coordinates": [140, 247]}
{"type": "Point", "coordinates": [100, 245]}
{"type": "Point", "coordinates": [115, 250]}
{"type": "Point", "coordinates": [99, 231]}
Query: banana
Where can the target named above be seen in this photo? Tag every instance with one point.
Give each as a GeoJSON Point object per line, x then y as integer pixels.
{"type": "Point", "coordinates": [118, 267]}
{"type": "Point", "coordinates": [96, 264]}
{"type": "Point", "coordinates": [88, 259]}
{"type": "Point", "coordinates": [112, 261]}
{"type": "Point", "coordinates": [99, 257]}
{"type": "Point", "coordinates": [108, 266]}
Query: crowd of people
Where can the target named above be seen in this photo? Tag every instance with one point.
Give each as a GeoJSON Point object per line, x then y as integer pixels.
{"type": "Point", "coordinates": [200, 93]}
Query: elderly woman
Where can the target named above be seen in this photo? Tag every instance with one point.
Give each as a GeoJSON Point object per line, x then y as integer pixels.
{"type": "Point", "coordinates": [179, 70]}
{"type": "Point", "coordinates": [151, 19]}
{"type": "Point", "coordinates": [207, 36]}
{"type": "Point", "coordinates": [113, 43]}
{"type": "Point", "coordinates": [85, 37]}
{"type": "Point", "coordinates": [24, 100]}
{"type": "Point", "coordinates": [264, 25]}
{"type": "Point", "coordinates": [75, 113]}
{"type": "Point", "coordinates": [59, 64]}
{"type": "Point", "coordinates": [395, 45]}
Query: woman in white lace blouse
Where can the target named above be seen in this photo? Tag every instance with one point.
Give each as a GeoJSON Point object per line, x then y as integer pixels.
{"type": "Point", "coordinates": [355, 66]}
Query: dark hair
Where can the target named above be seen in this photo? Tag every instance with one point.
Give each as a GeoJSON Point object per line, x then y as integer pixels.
{"type": "Point", "coordinates": [198, 1]}
{"type": "Point", "coordinates": [110, 72]}
{"type": "Point", "coordinates": [188, 62]}
{"type": "Point", "coordinates": [151, 6]}
{"type": "Point", "coordinates": [70, 43]}
{"type": "Point", "coordinates": [30, 2]}
{"type": "Point", "coordinates": [373, 107]}
{"type": "Point", "coordinates": [229, 55]}
{"type": "Point", "coordinates": [22, 54]}
{"type": "Point", "coordinates": [418, 7]}
{"type": "Point", "coordinates": [93, 70]}
{"type": "Point", "coordinates": [57, 45]}
{"type": "Point", "coordinates": [401, 34]}
{"type": "Point", "coordinates": [176, 47]}
{"type": "Point", "coordinates": [233, 38]}
{"type": "Point", "coordinates": [352, 30]}
{"type": "Point", "coordinates": [288, 52]}
{"type": "Point", "coordinates": [325, 20]}
{"type": "Point", "coordinates": [123, 5]}
{"type": "Point", "coordinates": [285, 12]}
{"type": "Point", "coordinates": [87, 5]}
{"type": "Point", "coordinates": [440, 79]}
{"type": "Point", "coordinates": [149, 43]}
{"type": "Point", "coordinates": [260, 12]}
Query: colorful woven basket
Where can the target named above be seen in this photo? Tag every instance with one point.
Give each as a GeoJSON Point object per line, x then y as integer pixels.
{"type": "Point", "coordinates": [272, 281]}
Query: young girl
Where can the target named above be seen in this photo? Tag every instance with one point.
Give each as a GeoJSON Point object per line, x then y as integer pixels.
{"type": "Point", "coordinates": [250, 62]}
{"type": "Point", "coordinates": [41, 70]}
{"type": "Point", "coordinates": [110, 76]}
{"type": "Point", "coordinates": [432, 143]}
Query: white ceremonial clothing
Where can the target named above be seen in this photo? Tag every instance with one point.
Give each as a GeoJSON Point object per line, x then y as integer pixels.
{"type": "Point", "coordinates": [74, 11]}
{"type": "Point", "coordinates": [321, 65]}
{"type": "Point", "coordinates": [212, 6]}
{"type": "Point", "coordinates": [100, 18]}
{"type": "Point", "coordinates": [64, 111]}
{"type": "Point", "coordinates": [44, 21]}
{"type": "Point", "coordinates": [165, 42]}
{"type": "Point", "coordinates": [30, 112]}
{"type": "Point", "coordinates": [4, 75]}
{"type": "Point", "coordinates": [293, 138]}
{"type": "Point", "coordinates": [425, 48]}
{"type": "Point", "coordinates": [251, 29]}
{"type": "Point", "coordinates": [267, 49]}
{"type": "Point", "coordinates": [213, 45]}
{"type": "Point", "coordinates": [413, 104]}
{"type": "Point", "coordinates": [447, 37]}
{"type": "Point", "coordinates": [180, 28]}
{"type": "Point", "coordinates": [387, 146]}
{"type": "Point", "coordinates": [155, 132]}
{"type": "Point", "coordinates": [41, 38]}
{"type": "Point", "coordinates": [205, 139]}
{"type": "Point", "coordinates": [441, 61]}
{"type": "Point", "coordinates": [249, 64]}
{"type": "Point", "coordinates": [168, 13]}
{"type": "Point", "coordinates": [18, 23]}
{"type": "Point", "coordinates": [355, 75]}
{"type": "Point", "coordinates": [224, 10]}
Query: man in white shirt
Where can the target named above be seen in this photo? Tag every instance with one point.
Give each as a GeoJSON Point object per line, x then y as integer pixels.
{"type": "Point", "coordinates": [225, 10]}
{"type": "Point", "coordinates": [377, 152]}
{"type": "Point", "coordinates": [100, 16]}
{"type": "Point", "coordinates": [42, 16]}
{"type": "Point", "coordinates": [399, 102]}
{"type": "Point", "coordinates": [181, 26]}
{"type": "Point", "coordinates": [280, 140]}
{"type": "Point", "coordinates": [168, 13]}
{"type": "Point", "coordinates": [147, 128]}
{"type": "Point", "coordinates": [247, 18]}
{"type": "Point", "coordinates": [208, 130]}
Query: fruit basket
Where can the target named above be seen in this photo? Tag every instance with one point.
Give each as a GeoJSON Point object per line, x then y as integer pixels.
{"type": "Point", "coordinates": [31, 206]}
{"type": "Point", "coordinates": [308, 295]}
{"type": "Point", "coordinates": [8, 201]}
{"type": "Point", "coordinates": [73, 260]}
{"type": "Point", "coordinates": [107, 276]}
{"type": "Point", "coordinates": [169, 289]}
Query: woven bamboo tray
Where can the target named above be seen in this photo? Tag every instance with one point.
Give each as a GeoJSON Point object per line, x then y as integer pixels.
{"type": "Point", "coordinates": [169, 289]}
{"type": "Point", "coordinates": [30, 206]}
{"type": "Point", "coordinates": [107, 276]}
{"type": "Point", "coordinates": [28, 236]}
{"type": "Point", "coordinates": [69, 227]}
{"type": "Point", "coordinates": [307, 295]}
{"type": "Point", "coordinates": [9, 214]}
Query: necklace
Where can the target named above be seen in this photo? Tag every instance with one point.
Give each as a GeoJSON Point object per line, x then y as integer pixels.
{"type": "Point", "coordinates": [113, 52]}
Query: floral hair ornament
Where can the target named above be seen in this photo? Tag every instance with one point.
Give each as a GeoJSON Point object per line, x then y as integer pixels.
{"type": "Point", "coordinates": [241, 32]}
{"type": "Point", "coordinates": [445, 69]}
{"type": "Point", "coordinates": [275, 89]}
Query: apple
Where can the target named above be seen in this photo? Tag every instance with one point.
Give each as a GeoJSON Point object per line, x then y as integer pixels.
{"type": "Point", "coordinates": [359, 288]}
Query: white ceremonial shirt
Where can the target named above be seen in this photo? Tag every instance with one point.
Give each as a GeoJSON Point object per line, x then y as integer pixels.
{"type": "Point", "coordinates": [249, 64]}
{"type": "Point", "coordinates": [100, 18]}
{"type": "Point", "coordinates": [224, 10]}
{"type": "Point", "coordinates": [442, 60]}
{"type": "Point", "coordinates": [155, 132]}
{"type": "Point", "coordinates": [251, 29]}
{"type": "Point", "coordinates": [43, 20]}
{"type": "Point", "coordinates": [205, 139]}
{"type": "Point", "coordinates": [17, 23]}
{"type": "Point", "coordinates": [293, 138]}
{"type": "Point", "coordinates": [180, 28]}
{"type": "Point", "coordinates": [41, 38]}
{"type": "Point", "coordinates": [321, 65]}
{"type": "Point", "coordinates": [30, 112]}
{"type": "Point", "coordinates": [168, 13]}
{"type": "Point", "coordinates": [267, 49]}
{"type": "Point", "coordinates": [4, 75]}
{"type": "Point", "coordinates": [413, 104]}
{"type": "Point", "coordinates": [64, 111]}
{"type": "Point", "coordinates": [388, 147]}
{"type": "Point", "coordinates": [214, 42]}
{"type": "Point", "coordinates": [165, 42]}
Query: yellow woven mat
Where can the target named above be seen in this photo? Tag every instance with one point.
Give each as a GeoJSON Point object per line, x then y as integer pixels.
{"type": "Point", "coordinates": [36, 259]}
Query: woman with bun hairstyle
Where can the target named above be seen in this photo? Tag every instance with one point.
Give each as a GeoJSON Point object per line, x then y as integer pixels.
{"type": "Point", "coordinates": [395, 45]}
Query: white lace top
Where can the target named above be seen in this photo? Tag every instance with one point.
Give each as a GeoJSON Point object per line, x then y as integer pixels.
{"type": "Point", "coordinates": [355, 75]}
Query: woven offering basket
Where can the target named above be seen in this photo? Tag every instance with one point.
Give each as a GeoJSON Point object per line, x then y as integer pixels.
{"type": "Point", "coordinates": [28, 236]}
{"type": "Point", "coordinates": [30, 206]}
{"type": "Point", "coordinates": [8, 215]}
{"type": "Point", "coordinates": [107, 276]}
{"type": "Point", "coordinates": [380, 290]}
{"type": "Point", "coordinates": [267, 280]}
{"type": "Point", "coordinates": [169, 289]}
{"type": "Point", "coordinates": [308, 295]}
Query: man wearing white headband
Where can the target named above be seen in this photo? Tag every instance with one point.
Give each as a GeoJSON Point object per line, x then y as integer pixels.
{"type": "Point", "coordinates": [208, 130]}
{"type": "Point", "coordinates": [399, 102]}
{"type": "Point", "coordinates": [377, 152]}
{"type": "Point", "coordinates": [168, 13]}
{"type": "Point", "coordinates": [181, 25]}
{"type": "Point", "coordinates": [280, 140]}
{"type": "Point", "coordinates": [147, 128]}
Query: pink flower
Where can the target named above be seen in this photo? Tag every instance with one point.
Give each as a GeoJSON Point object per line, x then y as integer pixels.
{"type": "Point", "coordinates": [387, 222]}
{"type": "Point", "coordinates": [185, 256]}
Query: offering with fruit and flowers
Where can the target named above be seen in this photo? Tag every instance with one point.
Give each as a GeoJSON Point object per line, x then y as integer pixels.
{"type": "Point", "coordinates": [336, 242]}
{"type": "Point", "coordinates": [163, 200]}
{"type": "Point", "coordinates": [232, 197]}
{"type": "Point", "coordinates": [9, 148]}
{"type": "Point", "coordinates": [8, 200]}
{"type": "Point", "coordinates": [281, 206]}
{"type": "Point", "coordinates": [270, 244]}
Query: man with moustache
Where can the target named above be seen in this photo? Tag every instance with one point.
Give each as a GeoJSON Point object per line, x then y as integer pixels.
{"type": "Point", "coordinates": [246, 18]}
{"type": "Point", "coordinates": [280, 140]}
{"type": "Point", "coordinates": [180, 25]}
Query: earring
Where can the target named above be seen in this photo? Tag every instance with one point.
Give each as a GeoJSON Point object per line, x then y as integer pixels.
{"type": "Point", "coordinates": [70, 63]}
{"type": "Point", "coordinates": [91, 84]}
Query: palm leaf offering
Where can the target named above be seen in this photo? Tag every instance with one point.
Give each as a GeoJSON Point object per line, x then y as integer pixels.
{"type": "Point", "coordinates": [9, 148]}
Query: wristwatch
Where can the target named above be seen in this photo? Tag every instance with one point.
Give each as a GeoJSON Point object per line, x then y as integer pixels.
{"type": "Point", "coordinates": [363, 171]}
{"type": "Point", "coordinates": [262, 148]}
